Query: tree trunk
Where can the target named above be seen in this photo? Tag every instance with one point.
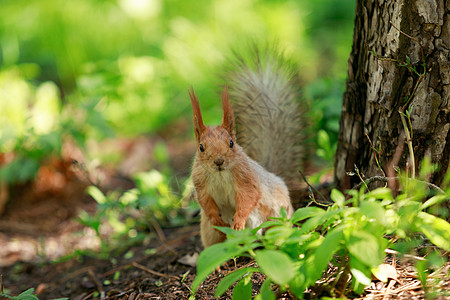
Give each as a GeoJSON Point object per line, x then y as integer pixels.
{"type": "Point", "coordinates": [378, 87]}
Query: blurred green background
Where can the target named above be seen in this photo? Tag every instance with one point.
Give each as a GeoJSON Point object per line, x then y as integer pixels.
{"type": "Point", "coordinates": [94, 69]}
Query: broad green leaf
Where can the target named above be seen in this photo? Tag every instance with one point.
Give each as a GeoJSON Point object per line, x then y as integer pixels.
{"type": "Point", "coordinates": [360, 276]}
{"type": "Point", "coordinates": [231, 278]}
{"type": "Point", "coordinates": [373, 210]}
{"type": "Point", "coordinates": [266, 291]}
{"type": "Point", "coordinates": [313, 222]}
{"type": "Point", "coordinates": [212, 257]}
{"type": "Point", "coordinates": [27, 292]}
{"type": "Point", "coordinates": [421, 267]}
{"type": "Point", "coordinates": [269, 224]}
{"type": "Point", "coordinates": [277, 265]}
{"type": "Point", "coordinates": [434, 200]}
{"type": "Point", "coordinates": [278, 235]}
{"type": "Point", "coordinates": [357, 286]}
{"type": "Point", "coordinates": [380, 193]}
{"type": "Point", "coordinates": [436, 229]}
{"type": "Point", "coordinates": [243, 290]}
{"type": "Point", "coordinates": [317, 263]}
{"type": "Point", "coordinates": [298, 284]}
{"type": "Point", "coordinates": [365, 247]}
{"type": "Point", "coordinates": [26, 295]}
{"type": "Point", "coordinates": [306, 212]}
{"type": "Point", "coordinates": [338, 198]}
{"type": "Point", "coordinates": [323, 140]}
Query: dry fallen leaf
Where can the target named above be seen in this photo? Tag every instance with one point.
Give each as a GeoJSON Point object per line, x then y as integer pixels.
{"type": "Point", "coordinates": [384, 272]}
{"type": "Point", "coordinates": [189, 260]}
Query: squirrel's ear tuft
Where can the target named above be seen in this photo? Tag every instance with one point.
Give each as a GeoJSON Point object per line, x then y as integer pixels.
{"type": "Point", "coordinates": [199, 127]}
{"type": "Point", "coordinates": [228, 117]}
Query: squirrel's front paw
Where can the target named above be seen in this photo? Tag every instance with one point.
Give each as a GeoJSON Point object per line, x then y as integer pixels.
{"type": "Point", "coordinates": [238, 225]}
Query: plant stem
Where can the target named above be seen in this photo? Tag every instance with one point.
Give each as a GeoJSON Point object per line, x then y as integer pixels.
{"type": "Point", "coordinates": [410, 146]}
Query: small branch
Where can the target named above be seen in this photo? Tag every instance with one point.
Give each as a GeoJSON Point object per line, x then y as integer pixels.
{"type": "Point", "coordinates": [390, 251]}
{"type": "Point", "coordinates": [373, 179]}
{"type": "Point", "coordinates": [360, 176]}
{"type": "Point", "coordinates": [139, 266]}
{"type": "Point", "coordinates": [387, 179]}
{"type": "Point", "coordinates": [421, 76]}
{"type": "Point", "coordinates": [97, 284]}
{"type": "Point", "coordinates": [375, 154]}
{"type": "Point", "coordinates": [311, 194]}
{"type": "Point", "coordinates": [410, 146]}
{"type": "Point", "coordinates": [83, 169]}
{"type": "Point", "coordinates": [412, 38]}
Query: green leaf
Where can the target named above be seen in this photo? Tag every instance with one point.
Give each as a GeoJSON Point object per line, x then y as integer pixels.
{"type": "Point", "coordinates": [277, 265]}
{"type": "Point", "coordinates": [323, 140]}
{"type": "Point", "coordinates": [298, 284]}
{"type": "Point", "coordinates": [338, 198]}
{"type": "Point", "coordinates": [26, 295]}
{"type": "Point", "coordinates": [266, 291]}
{"type": "Point", "coordinates": [365, 247]}
{"type": "Point", "coordinates": [315, 221]}
{"type": "Point", "coordinates": [380, 193]}
{"type": "Point", "coordinates": [214, 256]}
{"type": "Point", "coordinates": [436, 229]}
{"type": "Point", "coordinates": [231, 278]}
{"type": "Point", "coordinates": [243, 290]}
{"type": "Point", "coordinates": [434, 200]}
{"type": "Point", "coordinates": [317, 263]}
{"type": "Point", "coordinates": [374, 210]}
{"type": "Point", "coordinates": [360, 276]}
{"type": "Point", "coordinates": [306, 212]}
{"type": "Point", "coordinates": [95, 193]}
{"type": "Point", "coordinates": [421, 267]}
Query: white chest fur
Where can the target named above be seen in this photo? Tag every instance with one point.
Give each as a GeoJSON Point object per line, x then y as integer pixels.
{"type": "Point", "coordinates": [221, 188]}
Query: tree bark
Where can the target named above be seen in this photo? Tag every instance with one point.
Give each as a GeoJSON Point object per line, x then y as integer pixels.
{"type": "Point", "coordinates": [377, 88]}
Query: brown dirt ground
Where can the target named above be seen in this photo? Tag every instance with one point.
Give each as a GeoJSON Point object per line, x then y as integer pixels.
{"type": "Point", "coordinates": [38, 227]}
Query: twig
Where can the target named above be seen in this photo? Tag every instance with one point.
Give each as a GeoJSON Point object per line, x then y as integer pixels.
{"type": "Point", "coordinates": [139, 266]}
{"type": "Point", "coordinates": [390, 170]}
{"type": "Point", "coordinates": [387, 179]}
{"type": "Point", "coordinates": [390, 251]}
{"type": "Point", "coordinates": [373, 179]}
{"type": "Point", "coordinates": [413, 92]}
{"type": "Point", "coordinates": [412, 38]}
{"type": "Point", "coordinates": [158, 229]}
{"type": "Point", "coordinates": [388, 288]}
{"type": "Point", "coordinates": [311, 194]}
{"type": "Point", "coordinates": [360, 176]}
{"type": "Point", "coordinates": [375, 154]}
{"type": "Point", "coordinates": [410, 146]}
{"type": "Point", "coordinates": [97, 284]}
{"type": "Point", "coordinates": [83, 169]}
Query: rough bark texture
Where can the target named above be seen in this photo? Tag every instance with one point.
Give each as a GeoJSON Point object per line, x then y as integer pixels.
{"type": "Point", "coordinates": [377, 89]}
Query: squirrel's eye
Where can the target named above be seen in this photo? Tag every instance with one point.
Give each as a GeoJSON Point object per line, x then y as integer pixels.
{"type": "Point", "coordinates": [202, 149]}
{"type": "Point", "coordinates": [231, 143]}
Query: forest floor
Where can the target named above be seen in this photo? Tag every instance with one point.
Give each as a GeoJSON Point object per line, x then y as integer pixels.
{"type": "Point", "coordinates": [39, 228]}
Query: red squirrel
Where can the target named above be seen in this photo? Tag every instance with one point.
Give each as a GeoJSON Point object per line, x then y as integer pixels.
{"type": "Point", "coordinates": [232, 188]}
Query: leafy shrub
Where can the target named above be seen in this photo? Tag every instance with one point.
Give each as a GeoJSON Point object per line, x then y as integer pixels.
{"type": "Point", "coordinates": [34, 123]}
{"type": "Point", "coordinates": [352, 234]}
{"type": "Point", "coordinates": [129, 214]}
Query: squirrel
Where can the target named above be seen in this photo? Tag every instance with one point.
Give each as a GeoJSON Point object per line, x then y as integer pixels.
{"type": "Point", "coordinates": [245, 186]}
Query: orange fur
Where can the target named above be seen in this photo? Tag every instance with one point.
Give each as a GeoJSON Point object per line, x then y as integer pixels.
{"type": "Point", "coordinates": [231, 188]}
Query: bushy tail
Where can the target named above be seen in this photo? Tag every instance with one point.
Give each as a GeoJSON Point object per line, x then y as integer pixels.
{"type": "Point", "coordinates": [264, 90]}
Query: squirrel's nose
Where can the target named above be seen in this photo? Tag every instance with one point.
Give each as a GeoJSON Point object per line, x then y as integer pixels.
{"type": "Point", "coordinates": [219, 161]}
